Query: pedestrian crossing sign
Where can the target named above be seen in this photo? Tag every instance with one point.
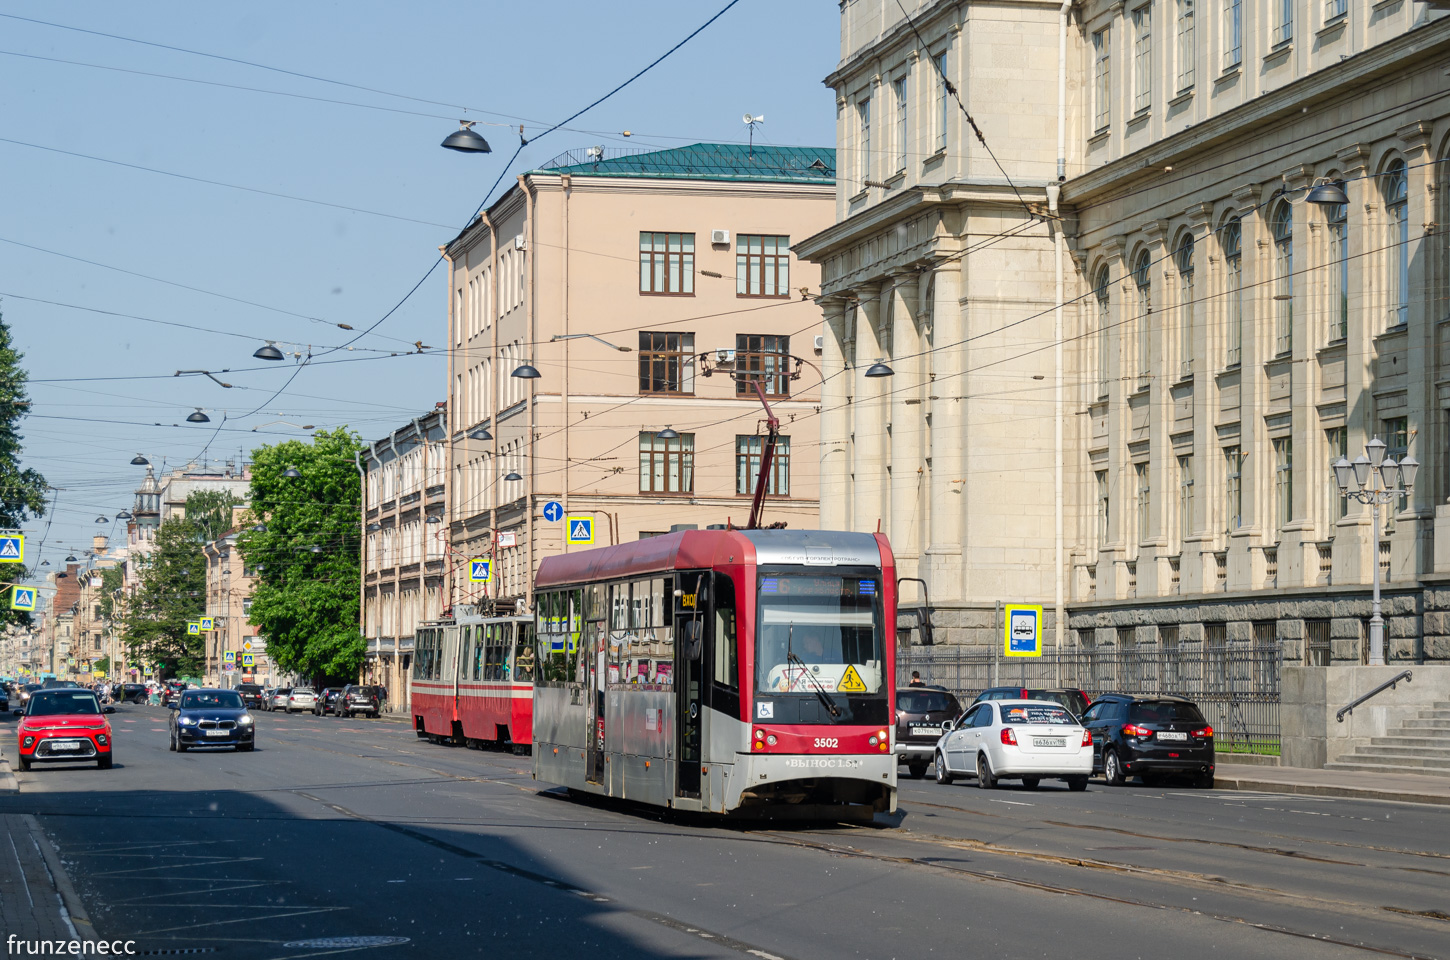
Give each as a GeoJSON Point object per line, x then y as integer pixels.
{"type": "Point", "coordinates": [22, 598]}
{"type": "Point", "coordinates": [193, 628]}
{"type": "Point", "coordinates": [207, 624]}
{"type": "Point", "coordinates": [581, 530]}
{"type": "Point", "coordinates": [229, 656]}
{"type": "Point", "coordinates": [247, 659]}
{"type": "Point", "coordinates": [480, 571]}
{"type": "Point", "coordinates": [12, 548]}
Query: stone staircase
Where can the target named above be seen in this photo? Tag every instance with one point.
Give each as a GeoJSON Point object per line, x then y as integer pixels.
{"type": "Point", "coordinates": [1421, 745]}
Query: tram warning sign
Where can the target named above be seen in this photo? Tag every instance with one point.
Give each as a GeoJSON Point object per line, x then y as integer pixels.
{"type": "Point", "coordinates": [851, 681]}
{"type": "Point", "coordinates": [22, 598]}
{"type": "Point", "coordinates": [480, 571]}
{"type": "Point", "coordinates": [581, 530]}
{"type": "Point", "coordinates": [1023, 635]}
{"type": "Point", "coordinates": [12, 548]}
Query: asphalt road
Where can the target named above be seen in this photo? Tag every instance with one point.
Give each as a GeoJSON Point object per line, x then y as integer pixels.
{"type": "Point", "coordinates": [354, 828]}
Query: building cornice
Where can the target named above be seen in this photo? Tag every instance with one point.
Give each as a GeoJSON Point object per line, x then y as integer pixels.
{"type": "Point", "coordinates": [1347, 79]}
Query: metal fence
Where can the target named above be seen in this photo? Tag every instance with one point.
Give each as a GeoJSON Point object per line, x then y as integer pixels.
{"type": "Point", "coordinates": [1236, 685]}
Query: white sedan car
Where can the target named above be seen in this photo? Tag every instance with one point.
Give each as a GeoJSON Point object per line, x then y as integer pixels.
{"type": "Point", "coordinates": [1025, 740]}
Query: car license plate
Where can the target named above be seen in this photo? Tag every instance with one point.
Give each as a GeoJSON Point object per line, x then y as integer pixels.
{"type": "Point", "coordinates": [217, 733]}
{"type": "Point", "coordinates": [65, 745]}
{"type": "Point", "coordinates": [926, 731]}
{"type": "Point", "coordinates": [1171, 735]}
{"type": "Point", "coordinates": [1049, 742]}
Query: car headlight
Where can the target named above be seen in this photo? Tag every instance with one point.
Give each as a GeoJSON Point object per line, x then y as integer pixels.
{"type": "Point", "coordinates": [246, 720]}
{"type": "Point", "coordinates": [186, 721]}
{"type": "Point", "coordinates": [101, 739]}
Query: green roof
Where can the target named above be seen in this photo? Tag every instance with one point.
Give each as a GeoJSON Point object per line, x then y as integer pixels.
{"type": "Point", "coordinates": [704, 161]}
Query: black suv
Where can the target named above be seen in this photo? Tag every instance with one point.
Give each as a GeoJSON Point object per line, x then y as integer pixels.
{"type": "Point", "coordinates": [920, 714]}
{"type": "Point", "coordinates": [130, 693]}
{"type": "Point", "coordinates": [1075, 700]}
{"type": "Point", "coordinates": [253, 698]}
{"type": "Point", "coordinates": [357, 698]}
{"type": "Point", "coordinates": [1148, 737]}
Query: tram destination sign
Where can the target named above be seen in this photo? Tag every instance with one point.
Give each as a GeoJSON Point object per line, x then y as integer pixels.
{"type": "Point", "coordinates": [819, 586]}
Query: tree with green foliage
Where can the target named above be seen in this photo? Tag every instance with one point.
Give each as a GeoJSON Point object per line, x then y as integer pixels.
{"type": "Point", "coordinates": [172, 593]}
{"type": "Point", "coordinates": [303, 541]}
{"type": "Point", "coordinates": [210, 511]}
{"type": "Point", "coordinates": [22, 491]}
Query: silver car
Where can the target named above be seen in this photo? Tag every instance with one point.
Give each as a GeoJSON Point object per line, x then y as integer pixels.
{"type": "Point", "coordinates": [277, 699]}
{"type": "Point", "coordinates": [301, 698]}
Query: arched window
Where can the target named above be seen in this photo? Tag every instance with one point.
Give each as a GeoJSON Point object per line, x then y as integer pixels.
{"type": "Point", "coordinates": [1397, 208]}
{"type": "Point", "coordinates": [1338, 219]}
{"type": "Point", "coordinates": [1283, 225]}
{"type": "Point", "coordinates": [1100, 293]}
{"type": "Point", "coordinates": [1230, 239]}
{"type": "Point", "coordinates": [1143, 282]}
{"type": "Point", "coordinates": [1183, 260]}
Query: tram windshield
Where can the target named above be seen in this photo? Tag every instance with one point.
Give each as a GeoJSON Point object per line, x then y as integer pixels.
{"type": "Point", "coordinates": [819, 634]}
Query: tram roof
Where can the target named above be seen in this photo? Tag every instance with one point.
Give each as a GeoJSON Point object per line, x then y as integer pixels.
{"type": "Point", "coordinates": [696, 549]}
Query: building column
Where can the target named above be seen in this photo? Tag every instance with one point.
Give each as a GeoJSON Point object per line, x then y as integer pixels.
{"type": "Point", "coordinates": [943, 567]}
{"type": "Point", "coordinates": [907, 429]}
{"type": "Point", "coordinates": [868, 426]}
{"type": "Point", "coordinates": [1413, 543]}
{"type": "Point", "coordinates": [1152, 545]}
{"type": "Point", "coordinates": [1245, 565]}
{"type": "Point", "coordinates": [1122, 378]}
{"type": "Point", "coordinates": [1298, 554]}
{"type": "Point", "coordinates": [1198, 572]}
{"type": "Point", "coordinates": [835, 419]}
{"type": "Point", "coordinates": [1354, 548]}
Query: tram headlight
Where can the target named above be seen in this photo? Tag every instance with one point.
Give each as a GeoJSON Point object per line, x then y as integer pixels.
{"type": "Point", "coordinates": [760, 734]}
{"type": "Point", "coordinates": [770, 739]}
{"type": "Point", "coordinates": [873, 741]}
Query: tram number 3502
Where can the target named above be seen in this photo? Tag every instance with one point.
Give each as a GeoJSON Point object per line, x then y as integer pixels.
{"type": "Point", "coordinates": [828, 742]}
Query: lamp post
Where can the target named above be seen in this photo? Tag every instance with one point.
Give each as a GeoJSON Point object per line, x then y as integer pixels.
{"type": "Point", "coordinates": [1375, 480]}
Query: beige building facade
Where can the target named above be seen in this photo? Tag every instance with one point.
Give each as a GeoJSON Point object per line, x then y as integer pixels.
{"type": "Point", "coordinates": [1221, 339]}
{"type": "Point", "coordinates": [229, 585]}
{"type": "Point", "coordinates": [646, 291]}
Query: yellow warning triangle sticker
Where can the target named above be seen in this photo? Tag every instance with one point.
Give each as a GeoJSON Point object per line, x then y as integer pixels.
{"type": "Point", "coordinates": [851, 681]}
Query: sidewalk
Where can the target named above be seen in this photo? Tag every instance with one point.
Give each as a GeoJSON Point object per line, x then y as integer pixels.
{"type": "Point", "coordinates": [37, 901]}
{"type": "Point", "coordinates": [1413, 788]}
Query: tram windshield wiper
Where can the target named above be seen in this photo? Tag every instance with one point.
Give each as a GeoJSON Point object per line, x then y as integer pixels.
{"type": "Point", "coordinates": [825, 697]}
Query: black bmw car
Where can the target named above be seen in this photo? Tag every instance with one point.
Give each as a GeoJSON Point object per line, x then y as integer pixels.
{"type": "Point", "coordinates": [211, 718]}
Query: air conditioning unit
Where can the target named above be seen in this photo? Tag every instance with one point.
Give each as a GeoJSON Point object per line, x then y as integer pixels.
{"type": "Point", "coordinates": [724, 355]}
{"type": "Point", "coordinates": [519, 242]}
{"type": "Point", "coordinates": [720, 236]}
{"type": "Point", "coordinates": [820, 343]}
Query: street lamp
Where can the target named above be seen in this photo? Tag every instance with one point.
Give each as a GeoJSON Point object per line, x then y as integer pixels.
{"type": "Point", "coordinates": [197, 416]}
{"type": "Point", "coordinates": [1375, 480]}
{"type": "Point", "coordinates": [1329, 194]}
{"type": "Point", "coordinates": [124, 515]}
{"type": "Point", "coordinates": [269, 352]}
{"type": "Point", "coordinates": [464, 140]}
{"type": "Point", "coordinates": [140, 461]}
{"type": "Point", "coordinates": [512, 475]}
{"type": "Point", "coordinates": [526, 372]}
{"type": "Point", "coordinates": [480, 434]}
{"type": "Point", "coordinates": [291, 473]}
{"type": "Point", "coordinates": [668, 433]}
{"type": "Point", "coordinates": [880, 369]}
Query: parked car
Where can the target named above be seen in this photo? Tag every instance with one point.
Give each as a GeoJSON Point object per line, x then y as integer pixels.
{"type": "Point", "coordinates": [301, 698]}
{"type": "Point", "coordinates": [129, 692]}
{"type": "Point", "coordinates": [4, 696]}
{"type": "Point", "coordinates": [1150, 737]}
{"type": "Point", "coordinates": [171, 693]}
{"type": "Point", "coordinates": [64, 725]}
{"type": "Point", "coordinates": [212, 718]}
{"type": "Point", "coordinates": [325, 699]}
{"type": "Point", "coordinates": [1070, 697]}
{"type": "Point", "coordinates": [278, 699]}
{"type": "Point", "coordinates": [1027, 740]}
{"type": "Point", "coordinates": [358, 698]}
{"type": "Point", "coordinates": [253, 696]}
{"type": "Point", "coordinates": [923, 714]}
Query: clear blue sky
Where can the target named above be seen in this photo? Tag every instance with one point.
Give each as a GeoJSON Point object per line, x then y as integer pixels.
{"type": "Point", "coordinates": [527, 61]}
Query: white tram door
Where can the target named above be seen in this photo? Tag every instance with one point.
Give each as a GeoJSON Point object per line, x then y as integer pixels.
{"type": "Point", "coordinates": [690, 625]}
{"type": "Point", "coordinates": [596, 649]}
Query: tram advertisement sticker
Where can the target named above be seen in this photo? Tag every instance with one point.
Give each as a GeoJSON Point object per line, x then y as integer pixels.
{"type": "Point", "coordinates": [851, 681]}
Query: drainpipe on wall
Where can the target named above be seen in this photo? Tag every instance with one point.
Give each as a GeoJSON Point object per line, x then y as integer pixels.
{"type": "Point", "coordinates": [1054, 194]}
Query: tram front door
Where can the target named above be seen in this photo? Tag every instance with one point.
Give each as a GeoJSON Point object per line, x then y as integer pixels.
{"type": "Point", "coordinates": [689, 667]}
{"type": "Point", "coordinates": [595, 652]}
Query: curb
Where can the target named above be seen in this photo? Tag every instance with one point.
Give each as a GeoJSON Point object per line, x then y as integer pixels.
{"type": "Point", "coordinates": [1324, 790]}
{"type": "Point", "coordinates": [8, 783]}
{"type": "Point", "coordinates": [72, 910]}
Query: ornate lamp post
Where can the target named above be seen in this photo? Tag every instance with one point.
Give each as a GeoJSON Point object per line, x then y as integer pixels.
{"type": "Point", "coordinates": [1375, 481]}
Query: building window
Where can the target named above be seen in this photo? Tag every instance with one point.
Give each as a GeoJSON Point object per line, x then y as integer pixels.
{"type": "Point", "coordinates": [1337, 439]}
{"type": "Point", "coordinates": [1338, 216]}
{"type": "Point", "coordinates": [1283, 279]}
{"type": "Point", "coordinates": [1233, 488]}
{"type": "Point", "coordinates": [1397, 447]}
{"type": "Point", "coordinates": [667, 263]}
{"type": "Point", "coordinates": [1102, 80]}
{"type": "Point", "coordinates": [666, 362]}
{"type": "Point", "coordinates": [1334, 9]}
{"type": "Point", "coordinates": [1142, 58]}
{"type": "Point", "coordinates": [1145, 500]}
{"type": "Point", "coordinates": [1185, 499]}
{"type": "Point", "coordinates": [943, 106]}
{"type": "Point", "coordinates": [1231, 240]}
{"type": "Point", "coordinates": [762, 266]}
{"type": "Point", "coordinates": [898, 87]}
{"type": "Point", "coordinates": [1233, 33]}
{"type": "Point", "coordinates": [1396, 187]}
{"type": "Point", "coordinates": [863, 118]}
{"type": "Point", "coordinates": [1185, 45]}
{"type": "Point", "coordinates": [1101, 476]}
{"type": "Point", "coordinates": [1283, 13]}
{"type": "Point", "coordinates": [1183, 260]}
{"type": "Point", "coordinates": [1100, 293]}
{"type": "Point", "coordinates": [748, 451]}
{"type": "Point", "coordinates": [1283, 481]}
{"type": "Point", "coordinates": [666, 466]}
{"type": "Point", "coordinates": [765, 359]}
{"type": "Point", "coordinates": [1143, 325]}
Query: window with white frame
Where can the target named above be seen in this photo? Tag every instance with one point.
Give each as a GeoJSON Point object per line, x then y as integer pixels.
{"type": "Point", "coordinates": [1100, 477]}
{"type": "Point", "coordinates": [1397, 210]}
{"type": "Point", "coordinates": [863, 142]}
{"type": "Point", "coordinates": [1283, 482]}
{"type": "Point", "coordinates": [1142, 58]}
{"type": "Point", "coordinates": [1233, 488]}
{"type": "Point", "coordinates": [1104, 313]}
{"type": "Point", "coordinates": [1185, 498]}
{"type": "Point", "coordinates": [1337, 441]}
{"type": "Point", "coordinates": [1335, 10]}
{"type": "Point", "coordinates": [943, 101]}
{"type": "Point", "coordinates": [1283, 225]}
{"type": "Point", "coordinates": [1142, 320]}
{"type": "Point", "coordinates": [1338, 222]}
{"type": "Point", "coordinates": [1396, 434]}
{"type": "Point", "coordinates": [1145, 501]}
{"type": "Point", "coordinates": [1282, 12]}
{"type": "Point", "coordinates": [1185, 53]}
{"type": "Point", "coordinates": [1233, 33]}
{"type": "Point", "coordinates": [1102, 79]}
{"type": "Point", "coordinates": [1183, 260]}
{"type": "Point", "coordinates": [1230, 238]}
{"type": "Point", "coordinates": [898, 87]}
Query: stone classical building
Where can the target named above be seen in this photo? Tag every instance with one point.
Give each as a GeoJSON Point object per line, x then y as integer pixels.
{"type": "Point", "coordinates": [1144, 443]}
{"type": "Point", "coordinates": [643, 292]}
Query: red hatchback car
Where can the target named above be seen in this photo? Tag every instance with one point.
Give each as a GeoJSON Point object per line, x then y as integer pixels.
{"type": "Point", "coordinates": [65, 725]}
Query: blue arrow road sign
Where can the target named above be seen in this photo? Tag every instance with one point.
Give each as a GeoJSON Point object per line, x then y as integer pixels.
{"type": "Point", "coordinates": [581, 530]}
{"type": "Point", "coordinates": [553, 511]}
{"type": "Point", "coordinates": [12, 547]}
{"type": "Point", "coordinates": [479, 570]}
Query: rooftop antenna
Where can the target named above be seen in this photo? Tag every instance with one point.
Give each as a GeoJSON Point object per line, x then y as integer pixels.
{"type": "Point", "coordinates": [750, 122]}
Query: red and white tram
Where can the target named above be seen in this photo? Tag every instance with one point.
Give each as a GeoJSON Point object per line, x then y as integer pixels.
{"type": "Point", "coordinates": [728, 671]}
{"type": "Point", "coordinates": [473, 679]}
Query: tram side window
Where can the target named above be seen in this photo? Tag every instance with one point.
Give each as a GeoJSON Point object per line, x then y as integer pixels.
{"type": "Point", "coordinates": [726, 666]}
{"type": "Point", "coordinates": [524, 657]}
{"type": "Point", "coordinates": [553, 622]}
